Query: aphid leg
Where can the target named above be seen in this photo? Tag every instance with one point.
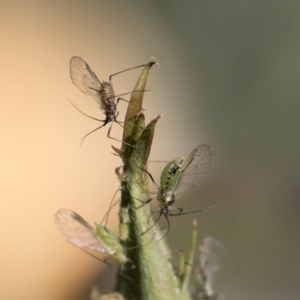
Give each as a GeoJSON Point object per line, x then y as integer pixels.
{"type": "Point", "coordinates": [107, 262]}
{"type": "Point", "coordinates": [143, 201]}
{"type": "Point", "coordinates": [169, 227]}
{"type": "Point", "coordinates": [121, 99]}
{"type": "Point", "coordinates": [141, 91]}
{"type": "Point", "coordinates": [110, 77]}
{"type": "Point", "coordinates": [153, 224]}
{"type": "Point", "coordinates": [165, 214]}
{"type": "Point", "coordinates": [179, 209]}
{"type": "Point", "coordinates": [127, 100]}
{"type": "Point", "coordinates": [119, 123]}
{"type": "Point", "coordinates": [108, 134]}
{"type": "Point", "coordinates": [191, 212]}
{"type": "Point", "coordinates": [152, 179]}
{"type": "Point", "coordinates": [116, 269]}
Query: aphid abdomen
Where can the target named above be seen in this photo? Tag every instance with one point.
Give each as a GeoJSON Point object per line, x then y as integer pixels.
{"type": "Point", "coordinates": [168, 181]}
{"type": "Point", "coordinates": [107, 94]}
{"type": "Point", "coordinates": [170, 175]}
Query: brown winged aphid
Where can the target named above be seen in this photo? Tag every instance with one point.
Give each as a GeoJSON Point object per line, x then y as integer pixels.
{"type": "Point", "coordinates": [101, 91]}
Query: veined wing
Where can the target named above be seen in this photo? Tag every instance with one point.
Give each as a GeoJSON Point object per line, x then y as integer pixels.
{"type": "Point", "coordinates": [211, 254]}
{"type": "Point", "coordinates": [195, 169]}
{"type": "Point", "coordinates": [77, 231]}
{"type": "Point", "coordinates": [85, 79]}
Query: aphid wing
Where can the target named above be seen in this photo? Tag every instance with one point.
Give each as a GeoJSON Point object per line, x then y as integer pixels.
{"type": "Point", "coordinates": [77, 231]}
{"type": "Point", "coordinates": [211, 253]}
{"type": "Point", "coordinates": [84, 78]}
{"type": "Point", "coordinates": [195, 169]}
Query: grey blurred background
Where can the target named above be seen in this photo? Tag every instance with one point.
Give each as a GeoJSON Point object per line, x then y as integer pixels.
{"type": "Point", "coordinates": [229, 77]}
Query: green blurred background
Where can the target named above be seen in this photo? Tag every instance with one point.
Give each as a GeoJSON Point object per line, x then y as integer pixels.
{"type": "Point", "coordinates": [229, 77]}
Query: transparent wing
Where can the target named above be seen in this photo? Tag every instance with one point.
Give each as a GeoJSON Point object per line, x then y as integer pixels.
{"type": "Point", "coordinates": [84, 78]}
{"type": "Point", "coordinates": [77, 231]}
{"type": "Point", "coordinates": [211, 254]}
{"type": "Point", "coordinates": [195, 169]}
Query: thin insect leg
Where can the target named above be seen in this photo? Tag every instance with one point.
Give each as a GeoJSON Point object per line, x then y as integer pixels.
{"type": "Point", "coordinates": [192, 212]}
{"type": "Point", "coordinates": [121, 99]}
{"type": "Point", "coordinates": [119, 122]}
{"type": "Point", "coordinates": [110, 77]}
{"type": "Point", "coordinates": [179, 209]}
{"type": "Point", "coordinates": [105, 261]}
{"type": "Point", "coordinates": [127, 94]}
{"type": "Point", "coordinates": [119, 94]}
{"type": "Point", "coordinates": [143, 245]}
{"type": "Point", "coordinates": [153, 224]}
{"type": "Point", "coordinates": [152, 179]}
{"type": "Point", "coordinates": [128, 101]}
{"type": "Point", "coordinates": [144, 202]}
{"type": "Point", "coordinates": [85, 113]}
{"type": "Point", "coordinates": [94, 256]}
{"type": "Point", "coordinates": [92, 132]}
{"type": "Point", "coordinates": [108, 135]}
{"type": "Point", "coordinates": [116, 269]}
{"type": "Point", "coordinates": [169, 227]}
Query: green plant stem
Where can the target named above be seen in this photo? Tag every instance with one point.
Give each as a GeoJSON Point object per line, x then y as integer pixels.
{"type": "Point", "coordinates": [149, 271]}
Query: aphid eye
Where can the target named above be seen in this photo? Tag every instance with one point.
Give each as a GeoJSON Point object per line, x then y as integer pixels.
{"type": "Point", "coordinates": [174, 169]}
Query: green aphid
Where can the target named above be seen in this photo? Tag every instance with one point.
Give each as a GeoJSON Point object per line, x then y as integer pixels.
{"type": "Point", "coordinates": [81, 234]}
{"type": "Point", "coordinates": [180, 175]}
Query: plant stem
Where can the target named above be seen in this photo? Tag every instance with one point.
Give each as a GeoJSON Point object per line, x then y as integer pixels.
{"type": "Point", "coordinates": [149, 271]}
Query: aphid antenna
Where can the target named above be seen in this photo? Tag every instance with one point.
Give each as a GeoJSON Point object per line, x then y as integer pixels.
{"type": "Point", "coordinates": [151, 177]}
{"type": "Point", "coordinates": [85, 113]}
{"type": "Point", "coordinates": [105, 122]}
{"type": "Point", "coordinates": [112, 204]}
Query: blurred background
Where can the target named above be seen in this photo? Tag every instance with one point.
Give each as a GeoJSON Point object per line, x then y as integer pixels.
{"type": "Point", "coordinates": [229, 77]}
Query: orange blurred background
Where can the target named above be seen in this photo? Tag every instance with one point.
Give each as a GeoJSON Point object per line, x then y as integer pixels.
{"type": "Point", "coordinates": [229, 77]}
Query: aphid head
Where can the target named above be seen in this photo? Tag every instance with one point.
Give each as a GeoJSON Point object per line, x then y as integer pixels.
{"type": "Point", "coordinates": [165, 198]}
{"type": "Point", "coordinates": [170, 198]}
